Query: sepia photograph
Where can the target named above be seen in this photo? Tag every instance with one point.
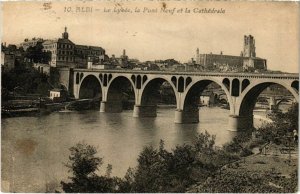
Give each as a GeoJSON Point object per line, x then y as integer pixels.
{"type": "Point", "coordinates": [153, 96]}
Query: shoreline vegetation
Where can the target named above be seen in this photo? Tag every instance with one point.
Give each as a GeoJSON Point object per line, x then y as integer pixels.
{"type": "Point", "coordinates": [255, 161]}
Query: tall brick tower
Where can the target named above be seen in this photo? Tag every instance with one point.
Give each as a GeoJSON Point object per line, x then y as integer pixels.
{"type": "Point", "coordinates": [197, 56]}
{"type": "Point", "coordinates": [249, 46]}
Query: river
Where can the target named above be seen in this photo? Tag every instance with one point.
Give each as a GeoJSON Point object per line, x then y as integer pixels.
{"type": "Point", "coordinates": [34, 149]}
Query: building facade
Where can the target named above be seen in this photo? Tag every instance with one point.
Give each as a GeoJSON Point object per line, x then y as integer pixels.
{"type": "Point", "coordinates": [82, 53]}
{"type": "Point", "coordinates": [64, 53]}
{"type": "Point", "coordinates": [42, 68]}
{"type": "Point", "coordinates": [31, 43]}
{"type": "Point", "coordinates": [247, 61]}
{"type": "Point", "coordinates": [7, 61]}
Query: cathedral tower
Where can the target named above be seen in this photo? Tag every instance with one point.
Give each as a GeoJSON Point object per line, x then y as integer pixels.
{"type": "Point", "coordinates": [249, 46]}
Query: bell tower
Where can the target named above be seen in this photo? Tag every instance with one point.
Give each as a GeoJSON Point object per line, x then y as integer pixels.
{"type": "Point", "coordinates": [197, 56]}
{"type": "Point", "coordinates": [249, 46]}
{"type": "Point", "coordinates": [65, 35]}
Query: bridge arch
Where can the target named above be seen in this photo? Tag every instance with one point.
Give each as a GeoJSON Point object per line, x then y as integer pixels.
{"type": "Point", "coordinates": [249, 96]}
{"type": "Point", "coordinates": [151, 86]}
{"type": "Point", "coordinates": [120, 89]}
{"type": "Point", "coordinates": [295, 85]}
{"type": "Point", "coordinates": [151, 94]}
{"type": "Point", "coordinates": [197, 86]}
{"type": "Point", "coordinates": [90, 87]}
{"type": "Point", "coordinates": [189, 111]}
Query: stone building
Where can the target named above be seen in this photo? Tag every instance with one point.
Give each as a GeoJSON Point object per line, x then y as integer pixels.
{"type": "Point", "coordinates": [122, 62]}
{"type": "Point", "coordinates": [11, 56]}
{"type": "Point", "coordinates": [7, 61]}
{"type": "Point", "coordinates": [65, 53]}
{"type": "Point", "coordinates": [83, 52]}
{"type": "Point", "coordinates": [250, 61]}
{"type": "Point", "coordinates": [31, 43]}
{"type": "Point", "coordinates": [247, 61]}
{"type": "Point", "coordinates": [207, 98]}
{"type": "Point", "coordinates": [62, 51]}
{"type": "Point", "coordinates": [42, 68]}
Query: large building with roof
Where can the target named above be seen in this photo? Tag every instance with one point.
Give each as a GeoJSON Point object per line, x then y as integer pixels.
{"type": "Point", "coordinates": [247, 61]}
{"type": "Point", "coordinates": [65, 53]}
{"type": "Point", "coordinates": [30, 43]}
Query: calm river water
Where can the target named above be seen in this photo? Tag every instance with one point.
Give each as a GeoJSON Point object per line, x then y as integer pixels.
{"type": "Point", "coordinates": [34, 149]}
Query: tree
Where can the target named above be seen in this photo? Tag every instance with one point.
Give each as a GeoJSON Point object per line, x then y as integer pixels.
{"type": "Point", "coordinates": [283, 123]}
{"type": "Point", "coordinates": [37, 55]}
{"type": "Point", "coordinates": [29, 79]}
{"type": "Point", "coordinates": [159, 170]}
{"type": "Point", "coordinates": [83, 164]}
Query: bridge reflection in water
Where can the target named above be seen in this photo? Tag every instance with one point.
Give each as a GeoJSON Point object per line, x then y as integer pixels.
{"type": "Point", "coordinates": [241, 89]}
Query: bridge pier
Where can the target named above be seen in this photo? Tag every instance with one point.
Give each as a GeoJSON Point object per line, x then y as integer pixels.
{"type": "Point", "coordinates": [111, 107]}
{"type": "Point", "coordinates": [144, 111]}
{"type": "Point", "coordinates": [240, 123]}
{"type": "Point", "coordinates": [186, 116]}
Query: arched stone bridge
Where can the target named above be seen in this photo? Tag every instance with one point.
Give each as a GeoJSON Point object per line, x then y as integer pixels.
{"type": "Point", "coordinates": [241, 89]}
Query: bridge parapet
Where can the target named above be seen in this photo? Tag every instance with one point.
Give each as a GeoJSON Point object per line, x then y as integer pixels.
{"type": "Point", "coordinates": [185, 73]}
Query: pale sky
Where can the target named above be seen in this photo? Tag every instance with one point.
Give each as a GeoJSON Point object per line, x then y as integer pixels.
{"type": "Point", "coordinates": [150, 36]}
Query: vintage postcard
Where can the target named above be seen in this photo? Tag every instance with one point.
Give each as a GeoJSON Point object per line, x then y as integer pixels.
{"type": "Point", "coordinates": [149, 96]}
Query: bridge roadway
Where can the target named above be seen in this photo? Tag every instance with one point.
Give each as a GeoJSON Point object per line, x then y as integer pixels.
{"type": "Point", "coordinates": [241, 89]}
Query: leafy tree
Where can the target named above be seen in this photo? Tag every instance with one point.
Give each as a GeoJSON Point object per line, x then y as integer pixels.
{"type": "Point", "coordinates": [239, 145]}
{"type": "Point", "coordinates": [37, 55]}
{"type": "Point", "coordinates": [29, 79]}
{"type": "Point", "coordinates": [205, 142]}
{"type": "Point", "coordinates": [283, 123]}
{"type": "Point", "coordinates": [159, 170]}
{"type": "Point", "coordinates": [83, 164]}
{"type": "Point", "coordinates": [127, 182]}
{"type": "Point", "coordinates": [148, 173]}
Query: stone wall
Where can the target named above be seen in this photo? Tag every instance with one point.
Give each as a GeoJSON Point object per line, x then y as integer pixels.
{"type": "Point", "coordinates": [66, 78]}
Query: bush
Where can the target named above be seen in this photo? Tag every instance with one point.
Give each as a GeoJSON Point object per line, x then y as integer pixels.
{"type": "Point", "coordinates": [242, 182]}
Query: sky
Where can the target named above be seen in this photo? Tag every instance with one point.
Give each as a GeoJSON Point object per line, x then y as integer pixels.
{"type": "Point", "coordinates": [156, 35]}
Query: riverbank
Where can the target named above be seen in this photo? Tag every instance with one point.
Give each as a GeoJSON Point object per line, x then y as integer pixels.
{"type": "Point", "coordinates": [18, 108]}
{"type": "Point", "coordinates": [272, 165]}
